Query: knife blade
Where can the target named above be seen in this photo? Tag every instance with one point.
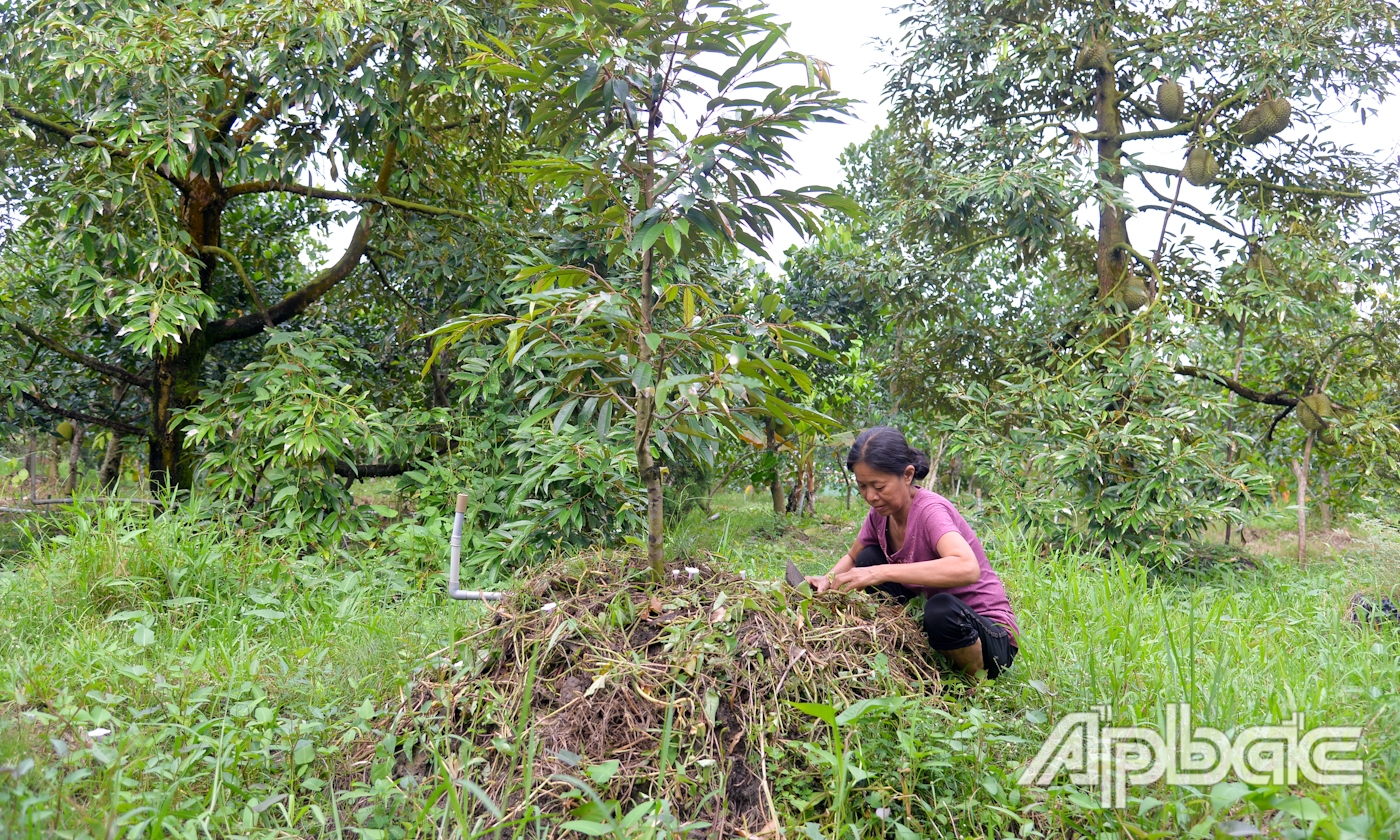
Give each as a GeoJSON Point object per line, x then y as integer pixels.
{"type": "Point", "coordinates": [796, 579]}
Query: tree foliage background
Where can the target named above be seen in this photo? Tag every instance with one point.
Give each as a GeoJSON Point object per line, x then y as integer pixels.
{"type": "Point", "coordinates": [1115, 344]}
{"type": "Point", "coordinates": [548, 297]}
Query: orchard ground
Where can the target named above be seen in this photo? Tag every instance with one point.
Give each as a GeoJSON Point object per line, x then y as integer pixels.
{"type": "Point", "coordinates": [175, 677]}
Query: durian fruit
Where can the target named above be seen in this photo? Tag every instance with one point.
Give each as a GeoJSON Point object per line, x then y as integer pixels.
{"type": "Point", "coordinates": [1171, 100]}
{"type": "Point", "coordinates": [1314, 411]}
{"type": "Point", "coordinates": [64, 430]}
{"type": "Point", "coordinates": [1201, 167]}
{"type": "Point", "coordinates": [1274, 116]}
{"type": "Point", "coordinates": [1134, 293]}
{"type": "Point", "coordinates": [1092, 56]}
{"type": "Point", "coordinates": [1248, 128]}
{"type": "Point", "coordinates": [1264, 121]}
{"type": "Point", "coordinates": [1260, 261]}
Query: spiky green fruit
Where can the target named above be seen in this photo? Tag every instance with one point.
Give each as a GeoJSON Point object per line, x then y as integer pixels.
{"type": "Point", "coordinates": [1134, 293]}
{"type": "Point", "coordinates": [64, 430]}
{"type": "Point", "coordinates": [1171, 100]}
{"type": "Point", "coordinates": [1313, 412]}
{"type": "Point", "coordinates": [1201, 167]}
{"type": "Point", "coordinates": [1274, 116]}
{"type": "Point", "coordinates": [1250, 128]}
{"type": "Point", "coordinates": [1092, 56]}
{"type": "Point", "coordinates": [1261, 262]}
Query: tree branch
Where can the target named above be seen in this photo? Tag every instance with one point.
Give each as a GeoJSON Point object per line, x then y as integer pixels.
{"type": "Point", "coordinates": [45, 124]}
{"type": "Point", "coordinates": [118, 373]}
{"type": "Point", "coordinates": [1276, 398]}
{"type": "Point", "coordinates": [269, 110]}
{"type": "Point", "coordinates": [114, 425]}
{"type": "Point", "coordinates": [261, 118]}
{"type": "Point", "coordinates": [1269, 185]}
{"type": "Point", "coordinates": [1322, 191]}
{"type": "Point", "coordinates": [246, 326]}
{"type": "Point", "coordinates": [1173, 131]}
{"type": "Point", "coordinates": [345, 469]}
{"type": "Point", "coordinates": [242, 275]}
{"type": "Point", "coordinates": [254, 187]}
{"type": "Point", "coordinates": [1197, 215]}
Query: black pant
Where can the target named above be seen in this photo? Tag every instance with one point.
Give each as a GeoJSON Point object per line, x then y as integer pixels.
{"type": "Point", "coordinates": [948, 622]}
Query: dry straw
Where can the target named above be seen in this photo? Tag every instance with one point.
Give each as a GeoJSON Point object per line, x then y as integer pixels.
{"type": "Point", "coordinates": [682, 684]}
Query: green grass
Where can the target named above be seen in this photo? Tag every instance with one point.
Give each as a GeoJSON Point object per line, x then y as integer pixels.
{"type": "Point", "coordinates": [249, 689]}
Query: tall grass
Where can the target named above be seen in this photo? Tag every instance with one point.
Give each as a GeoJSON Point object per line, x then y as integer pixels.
{"type": "Point", "coordinates": [249, 688]}
{"type": "Point", "coordinates": [231, 674]}
{"type": "Point", "coordinates": [1245, 643]}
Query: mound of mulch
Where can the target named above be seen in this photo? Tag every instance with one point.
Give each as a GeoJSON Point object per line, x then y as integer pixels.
{"type": "Point", "coordinates": [683, 684]}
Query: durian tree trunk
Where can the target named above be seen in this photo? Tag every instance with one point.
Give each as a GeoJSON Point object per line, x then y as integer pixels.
{"type": "Point", "coordinates": [933, 467]}
{"type": "Point", "coordinates": [75, 458]}
{"type": "Point", "coordinates": [31, 464]}
{"type": "Point", "coordinates": [1111, 258]}
{"type": "Point", "coordinates": [1230, 425]}
{"type": "Point", "coordinates": [175, 385]}
{"type": "Point", "coordinates": [647, 469]}
{"type": "Point", "coordinates": [1301, 471]}
{"type": "Point", "coordinates": [176, 376]}
{"type": "Point", "coordinates": [775, 485]}
{"type": "Point", "coordinates": [111, 468]}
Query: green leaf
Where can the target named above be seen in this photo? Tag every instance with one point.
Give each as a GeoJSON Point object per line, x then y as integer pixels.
{"type": "Point", "coordinates": [1225, 794]}
{"type": "Point", "coordinates": [647, 237]}
{"type": "Point", "coordinates": [818, 710]}
{"type": "Point", "coordinates": [270, 615]}
{"type": "Point", "coordinates": [602, 773]}
{"type": "Point", "coordinates": [1301, 807]}
{"type": "Point", "coordinates": [854, 711]}
{"type": "Point", "coordinates": [127, 615]}
{"type": "Point", "coordinates": [586, 81]}
{"type": "Point", "coordinates": [844, 203]}
{"type": "Point", "coordinates": [303, 752]}
{"type": "Point", "coordinates": [592, 829]}
{"type": "Point", "coordinates": [143, 636]}
{"type": "Point", "coordinates": [903, 833]}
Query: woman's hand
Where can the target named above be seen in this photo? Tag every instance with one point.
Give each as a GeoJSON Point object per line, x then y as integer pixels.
{"type": "Point", "coordinates": [819, 583]}
{"type": "Point", "coordinates": [857, 578]}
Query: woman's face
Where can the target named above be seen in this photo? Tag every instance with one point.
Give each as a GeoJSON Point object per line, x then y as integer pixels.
{"type": "Point", "coordinates": [884, 492]}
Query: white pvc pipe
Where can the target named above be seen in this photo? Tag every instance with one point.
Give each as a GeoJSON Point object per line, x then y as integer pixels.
{"type": "Point", "coordinates": [454, 570]}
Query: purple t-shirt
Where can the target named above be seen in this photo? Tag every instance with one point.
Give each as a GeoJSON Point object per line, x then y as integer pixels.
{"type": "Point", "coordinates": [930, 517]}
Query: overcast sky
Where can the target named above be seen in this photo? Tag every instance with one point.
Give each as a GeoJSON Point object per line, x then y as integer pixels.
{"type": "Point", "coordinates": [844, 35]}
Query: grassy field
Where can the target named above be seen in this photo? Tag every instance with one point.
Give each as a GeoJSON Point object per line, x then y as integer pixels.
{"type": "Point", "coordinates": [177, 678]}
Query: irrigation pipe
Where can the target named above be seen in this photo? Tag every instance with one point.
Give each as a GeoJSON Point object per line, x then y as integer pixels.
{"type": "Point", "coordinates": [37, 502]}
{"type": "Point", "coordinates": [454, 569]}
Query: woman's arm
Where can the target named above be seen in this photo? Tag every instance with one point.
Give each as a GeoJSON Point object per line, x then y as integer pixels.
{"type": "Point", "coordinates": [955, 566]}
{"type": "Point", "coordinates": [821, 583]}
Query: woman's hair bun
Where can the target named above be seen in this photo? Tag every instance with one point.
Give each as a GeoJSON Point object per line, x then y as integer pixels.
{"type": "Point", "coordinates": [885, 449]}
{"type": "Point", "coordinates": [921, 465]}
